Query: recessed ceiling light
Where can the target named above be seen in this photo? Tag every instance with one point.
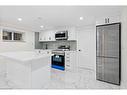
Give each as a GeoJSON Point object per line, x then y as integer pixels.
{"type": "Point", "coordinates": [81, 18]}
{"type": "Point", "coordinates": [19, 19]}
{"type": "Point", "coordinates": [41, 26]}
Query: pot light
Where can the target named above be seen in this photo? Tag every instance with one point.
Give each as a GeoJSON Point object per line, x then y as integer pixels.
{"type": "Point", "coordinates": [81, 18]}
{"type": "Point", "coordinates": [19, 19]}
{"type": "Point", "coordinates": [41, 26]}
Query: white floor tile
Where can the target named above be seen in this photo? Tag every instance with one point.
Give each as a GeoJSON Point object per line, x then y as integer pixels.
{"type": "Point", "coordinates": [82, 79]}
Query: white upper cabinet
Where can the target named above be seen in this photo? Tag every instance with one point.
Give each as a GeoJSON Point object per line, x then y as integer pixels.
{"type": "Point", "coordinates": [108, 20]}
{"type": "Point", "coordinates": [47, 36]}
{"type": "Point", "coordinates": [50, 35]}
{"type": "Point", "coordinates": [71, 34]}
{"type": "Point", "coordinates": [42, 36]}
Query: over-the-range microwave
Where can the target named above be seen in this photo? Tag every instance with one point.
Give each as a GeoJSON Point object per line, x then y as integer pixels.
{"type": "Point", "coordinates": [61, 35]}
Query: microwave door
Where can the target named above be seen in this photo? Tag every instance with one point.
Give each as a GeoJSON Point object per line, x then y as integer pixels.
{"type": "Point", "coordinates": [61, 36]}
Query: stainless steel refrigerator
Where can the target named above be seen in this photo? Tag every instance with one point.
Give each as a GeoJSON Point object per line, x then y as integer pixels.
{"type": "Point", "coordinates": [108, 53]}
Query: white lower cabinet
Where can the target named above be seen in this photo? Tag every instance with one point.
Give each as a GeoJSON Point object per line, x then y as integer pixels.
{"type": "Point", "coordinates": [70, 60]}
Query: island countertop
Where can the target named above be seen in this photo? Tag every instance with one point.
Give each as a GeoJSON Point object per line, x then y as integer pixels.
{"type": "Point", "coordinates": [25, 55]}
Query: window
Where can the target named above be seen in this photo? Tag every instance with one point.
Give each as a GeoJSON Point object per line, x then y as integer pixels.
{"type": "Point", "coordinates": [18, 36]}
{"type": "Point", "coordinates": [9, 35]}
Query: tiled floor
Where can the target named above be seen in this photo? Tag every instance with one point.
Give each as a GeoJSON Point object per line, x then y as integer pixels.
{"type": "Point", "coordinates": [81, 79]}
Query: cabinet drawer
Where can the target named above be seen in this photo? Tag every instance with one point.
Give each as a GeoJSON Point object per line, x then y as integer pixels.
{"type": "Point", "coordinates": [67, 65]}
{"type": "Point", "coordinates": [67, 60]}
{"type": "Point", "coordinates": [68, 57]}
{"type": "Point", "coordinates": [68, 54]}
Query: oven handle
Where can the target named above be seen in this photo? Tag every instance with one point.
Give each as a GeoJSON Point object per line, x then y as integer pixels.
{"type": "Point", "coordinates": [58, 54]}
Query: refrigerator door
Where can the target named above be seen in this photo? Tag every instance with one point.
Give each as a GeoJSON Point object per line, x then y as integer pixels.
{"type": "Point", "coordinates": [111, 70]}
{"type": "Point", "coordinates": [108, 41]}
{"type": "Point", "coordinates": [99, 41]}
{"type": "Point", "coordinates": [100, 68]}
{"type": "Point", "coordinates": [108, 53]}
{"type": "Point", "coordinates": [111, 41]}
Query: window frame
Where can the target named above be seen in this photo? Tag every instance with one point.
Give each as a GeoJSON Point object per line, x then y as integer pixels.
{"type": "Point", "coordinates": [12, 36]}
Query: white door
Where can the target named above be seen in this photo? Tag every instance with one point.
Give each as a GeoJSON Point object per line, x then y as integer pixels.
{"type": "Point", "coordinates": [86, 48]}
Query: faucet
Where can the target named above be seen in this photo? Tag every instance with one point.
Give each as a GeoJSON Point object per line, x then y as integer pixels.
{"type": "Point", "coordinates": [39, 51]}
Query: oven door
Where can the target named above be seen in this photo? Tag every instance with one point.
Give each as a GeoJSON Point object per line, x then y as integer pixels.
{"type": "Point", "coordinates": [58, 62]}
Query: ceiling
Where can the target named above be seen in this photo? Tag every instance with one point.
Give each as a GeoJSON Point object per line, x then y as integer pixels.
{"type": "Point", "coordinates": [53, 16]}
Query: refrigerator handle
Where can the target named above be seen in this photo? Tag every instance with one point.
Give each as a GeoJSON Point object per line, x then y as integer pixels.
{"type": "Point", "coordinates": [102, 43]}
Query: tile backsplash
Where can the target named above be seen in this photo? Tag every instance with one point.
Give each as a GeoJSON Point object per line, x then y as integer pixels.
{"type": "Point", "coordinates": [56, 44]}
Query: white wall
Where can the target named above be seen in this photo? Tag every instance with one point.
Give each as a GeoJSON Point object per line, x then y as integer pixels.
{"type": "Point", "coordinates": [28, 43]}
{"type": "Point", "coordinates": [124, 50]}
{"type": "Point", "coordinates": [86, 42]}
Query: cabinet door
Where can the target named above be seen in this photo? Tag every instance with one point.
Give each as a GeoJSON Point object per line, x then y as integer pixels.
{"type": "Point", "coordinates": [47, 35]}
{"type": "Point", "coordinates": [50, 36]}
{"type": "Point", "coordinates": [108, 20]}
{"type": "Point", "coordinates": [73, 61]}
{"type": "Point", "coordinates": [70, 60]}
{"type": "Point", "coordinates": [67, 60]}
{"type": "Point", "coordinates": [114, 19]}
{"type": "Point", "coordinates": [42, 36]}
{"type": "Point", "coordinates": [72, 34]}
{"type": "Point", "coordinates": [100, 21]}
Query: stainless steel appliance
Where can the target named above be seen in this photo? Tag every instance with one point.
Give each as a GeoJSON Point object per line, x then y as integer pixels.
{"type": "Point", "coordinates": [61, 35]}
{"type": "Point", "coordinates": [58, 60]}
{"type": "Point", "coordinates": [108, 53]}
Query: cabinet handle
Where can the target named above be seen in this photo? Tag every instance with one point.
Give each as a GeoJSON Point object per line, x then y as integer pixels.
{"type": "Point", "coordinates": [68, 60]}
{"type": "Point", "coordinates": [108, 20]}
{"type": "Point", "coordinates": [105, 20]}
{"type": "Point", "coordinates": [68, 65]}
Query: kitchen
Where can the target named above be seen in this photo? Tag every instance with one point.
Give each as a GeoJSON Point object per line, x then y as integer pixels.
{"type": "Point", "coordinates": [46, 48]}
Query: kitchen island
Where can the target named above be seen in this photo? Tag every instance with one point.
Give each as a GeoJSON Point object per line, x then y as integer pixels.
{"type": "Point", "coordinates": [27, 69]}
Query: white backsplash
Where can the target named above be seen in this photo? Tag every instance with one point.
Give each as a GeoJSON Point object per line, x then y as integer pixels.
{"type": "Point", "coordinates": [56, 44]}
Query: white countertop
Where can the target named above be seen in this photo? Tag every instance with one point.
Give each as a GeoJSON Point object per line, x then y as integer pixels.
{"type": "Point", "coordinates": [24, 55]}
